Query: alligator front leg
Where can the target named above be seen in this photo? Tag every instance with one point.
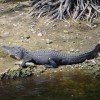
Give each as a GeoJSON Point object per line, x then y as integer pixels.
{"type": "Point", "coordinates": [23, 65]}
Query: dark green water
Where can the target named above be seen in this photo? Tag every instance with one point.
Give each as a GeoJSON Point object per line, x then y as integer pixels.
{"type": "Point", "coordinates": [52, 87]}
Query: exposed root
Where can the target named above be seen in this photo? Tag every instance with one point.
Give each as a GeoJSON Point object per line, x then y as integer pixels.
{"type": "Point", "coordinates": [64, 9]}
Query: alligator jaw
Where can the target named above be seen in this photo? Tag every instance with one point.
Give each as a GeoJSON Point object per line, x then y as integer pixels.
{"type": "Point", "coordinates": [14, 57]}
{"type": "Point", "coordinates": [8, 50]}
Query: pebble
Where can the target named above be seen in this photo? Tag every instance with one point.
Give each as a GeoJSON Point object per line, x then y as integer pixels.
{"type": "Point", "coordinates": [6, 33]}
{"type": "Point", "coordinates": [28, 37]}
{"type": "Point", "coordinates": [54, 25]}
{"type": "Point", "coordinates": [40, 34]}
{"type": "Point", "coordinates": [77, 50]}
{"type": "Point", "coordinates": [65, 31]}
{"type": "Point", "coordinates": [71, 50]}
{"type": "Point", "coordinates": [65, 25]}
{"type": "Point", "coordinates": [55, 71]}
{"type": "Point", "coordinates": [93, 61]}
{"type": "Point", "coordinates": [32, 30]}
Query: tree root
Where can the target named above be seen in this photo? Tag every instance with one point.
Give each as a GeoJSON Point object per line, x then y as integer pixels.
{"type": "Point", "coordinates": [64, 9]}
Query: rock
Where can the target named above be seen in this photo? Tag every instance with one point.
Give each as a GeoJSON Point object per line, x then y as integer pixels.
{"type": "Point", "coordinates": [39, 70]}
{"type": "Point", "coordinates": [48, 41]}
{"type": "Point", "coordinates": [1, 76]}
{"type": "Point", "coordinates": [30, 64]}
{"type": "Point", "coordinates": [15, 74]}
{"type": "Point", "coordinates": [28, 37]}
{"type": "Point", "coordinates": [26, 72]}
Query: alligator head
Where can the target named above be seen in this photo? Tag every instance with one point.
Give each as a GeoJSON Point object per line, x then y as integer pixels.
{"type": "Point", "coordinates": [16, 51]}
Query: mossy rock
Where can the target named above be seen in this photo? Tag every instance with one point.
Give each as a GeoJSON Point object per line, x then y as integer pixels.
{"type": "Point", "coordinates": [16, 73]}
{"type": "Point", "coordinates": [26, 72]}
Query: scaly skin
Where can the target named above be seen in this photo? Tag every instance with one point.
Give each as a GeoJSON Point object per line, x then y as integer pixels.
{"type": "Point", "coordinates": [50, 58]}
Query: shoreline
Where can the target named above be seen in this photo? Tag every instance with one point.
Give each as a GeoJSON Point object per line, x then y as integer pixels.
{"type": "Point", "coordinates": [90, 67]}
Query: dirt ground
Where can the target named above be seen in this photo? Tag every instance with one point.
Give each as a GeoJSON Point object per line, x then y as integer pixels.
{"type": "Point", "coordinates": [17, 28]}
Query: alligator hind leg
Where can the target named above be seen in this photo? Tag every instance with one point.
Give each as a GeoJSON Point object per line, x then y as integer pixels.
{"type": "Point", "coordinates": [52, 64]}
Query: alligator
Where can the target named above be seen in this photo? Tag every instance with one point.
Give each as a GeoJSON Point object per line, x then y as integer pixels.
{"type": "Point", "coordinates": [50, 58]}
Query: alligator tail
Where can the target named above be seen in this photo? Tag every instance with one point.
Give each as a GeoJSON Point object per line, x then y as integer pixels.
{"type": "Point", "coordinates": [78, 58]}
{"type": "Point", "coordinates": [97, 48]}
